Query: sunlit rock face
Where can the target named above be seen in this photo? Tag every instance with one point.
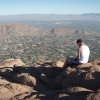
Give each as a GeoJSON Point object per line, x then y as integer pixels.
{"type": "Point", "coordinates": [49, 80]}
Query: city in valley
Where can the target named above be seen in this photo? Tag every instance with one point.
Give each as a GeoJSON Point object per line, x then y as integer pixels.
{"type": "Point", "coordinates": [48, 37]}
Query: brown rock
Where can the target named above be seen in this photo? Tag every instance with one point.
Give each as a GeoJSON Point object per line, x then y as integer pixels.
{"type": "Point", "coordinates": [59, 63]}
{"type": "Point", "coordinates": [73, 83]}
{"type": "Point", "coordinates": [25, 79]}
{"type": "Point", "coordinates": [93, 66]}
{"type": "Point", "coordinates": [96, 68]}
{"type": "Point", "coordinates": [3, 82]}
{"type": "Point", "coordinates": [93, 96]}
{"type": "Point", "coordinates": [90, 80]}
{"type": "Point", "coordinates": [44, 79]}
{"type": "Point", "coordinates": [26, 96]}
{"type": "Point", "coordinates": [76, 90]}
{"type": "Point", "coordinates": [10, 90]}
{"type": "Point", "coordinates": [73, 93]}
{"type": "Point", "coordinates": [11, 63]}
{"type": "Point", "coordinates": [61, 96]}
{"type": "Point", "coordinates": [86, 65]}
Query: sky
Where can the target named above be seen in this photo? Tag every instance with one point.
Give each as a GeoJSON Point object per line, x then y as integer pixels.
{"type": "Point", "coordinates": [11, 7]}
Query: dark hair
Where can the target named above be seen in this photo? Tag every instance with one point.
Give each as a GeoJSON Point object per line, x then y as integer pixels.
{"type": "Point", "coordinates": [79, 41]}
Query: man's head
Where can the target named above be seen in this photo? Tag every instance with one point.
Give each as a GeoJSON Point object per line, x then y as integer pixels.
{"type": "Point", "coordinates": [79, 42]}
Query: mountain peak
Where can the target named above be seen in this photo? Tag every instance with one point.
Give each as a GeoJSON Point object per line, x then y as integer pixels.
{"type": "Point", "coordinates": [49, 80]}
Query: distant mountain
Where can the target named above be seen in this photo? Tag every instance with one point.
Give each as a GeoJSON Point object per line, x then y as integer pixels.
{"type": "Point", "coordinates": [48, 17]}
{"type": "Point", "coordinates": [92, 14]}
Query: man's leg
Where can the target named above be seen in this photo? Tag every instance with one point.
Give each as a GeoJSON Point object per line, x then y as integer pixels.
{"type": "Point", "coordinates": [67, 62]}
{"type": "Point", "coordinates": [74, 62]}
{"type": "Point", "coordinates": [71, 62]}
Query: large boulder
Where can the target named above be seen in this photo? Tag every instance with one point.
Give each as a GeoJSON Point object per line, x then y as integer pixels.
{"type": "Point", "coordinates": [3, 81]}
{"type": "Point", "coordinates": [9, 90]}
{"type": "Point", "coordinates": [86, 65]}
{"type": "Point", "coordinates": [91, 66]}
{"type": "Point", "coordinates": [93, 96]}
{"type": "Point", "coordinates": [25, 96]}
{"type": "Point", "coordinates": [26, 79]}
{"type": "Point", "coordinates": [73, 93]}
{"type": "Point", "coordinates": [11, 63]}
{"type": "Point", "coordinates": [90, 80]}
{"type": "Point", "coordinates": [82, 78]}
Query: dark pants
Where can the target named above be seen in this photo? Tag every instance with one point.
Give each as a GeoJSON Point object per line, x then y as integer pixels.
{"type": "Point", "coordinates": [74, 61]}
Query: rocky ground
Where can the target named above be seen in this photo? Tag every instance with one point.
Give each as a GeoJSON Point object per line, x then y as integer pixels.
{"type": "Point", "coordinates": [49, 81]}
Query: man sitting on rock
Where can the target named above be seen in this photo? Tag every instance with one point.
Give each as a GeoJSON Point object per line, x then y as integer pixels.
{"type": "Point", "coordinates": [83, 55]}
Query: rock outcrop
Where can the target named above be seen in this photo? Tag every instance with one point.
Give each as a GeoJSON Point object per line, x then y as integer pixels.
{"type": "Point", "coordinates": [49, 81]}
{"type": "Point", "coordinates": [11, 63]}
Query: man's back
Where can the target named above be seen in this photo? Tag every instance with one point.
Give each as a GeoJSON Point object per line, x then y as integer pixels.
{"type": "Point", "coordinates": [84, 54]}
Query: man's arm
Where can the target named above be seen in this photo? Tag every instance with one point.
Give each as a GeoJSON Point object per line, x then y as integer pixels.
{"type": "Point", "coordinates": [79, 53]}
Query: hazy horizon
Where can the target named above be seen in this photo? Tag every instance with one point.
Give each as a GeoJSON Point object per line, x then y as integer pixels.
{"type": "Point", "coordinates": [46, 14]}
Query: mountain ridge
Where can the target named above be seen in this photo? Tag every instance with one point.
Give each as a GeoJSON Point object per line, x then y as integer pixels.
{"type": "Point", "coordinates": [49, 17]}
